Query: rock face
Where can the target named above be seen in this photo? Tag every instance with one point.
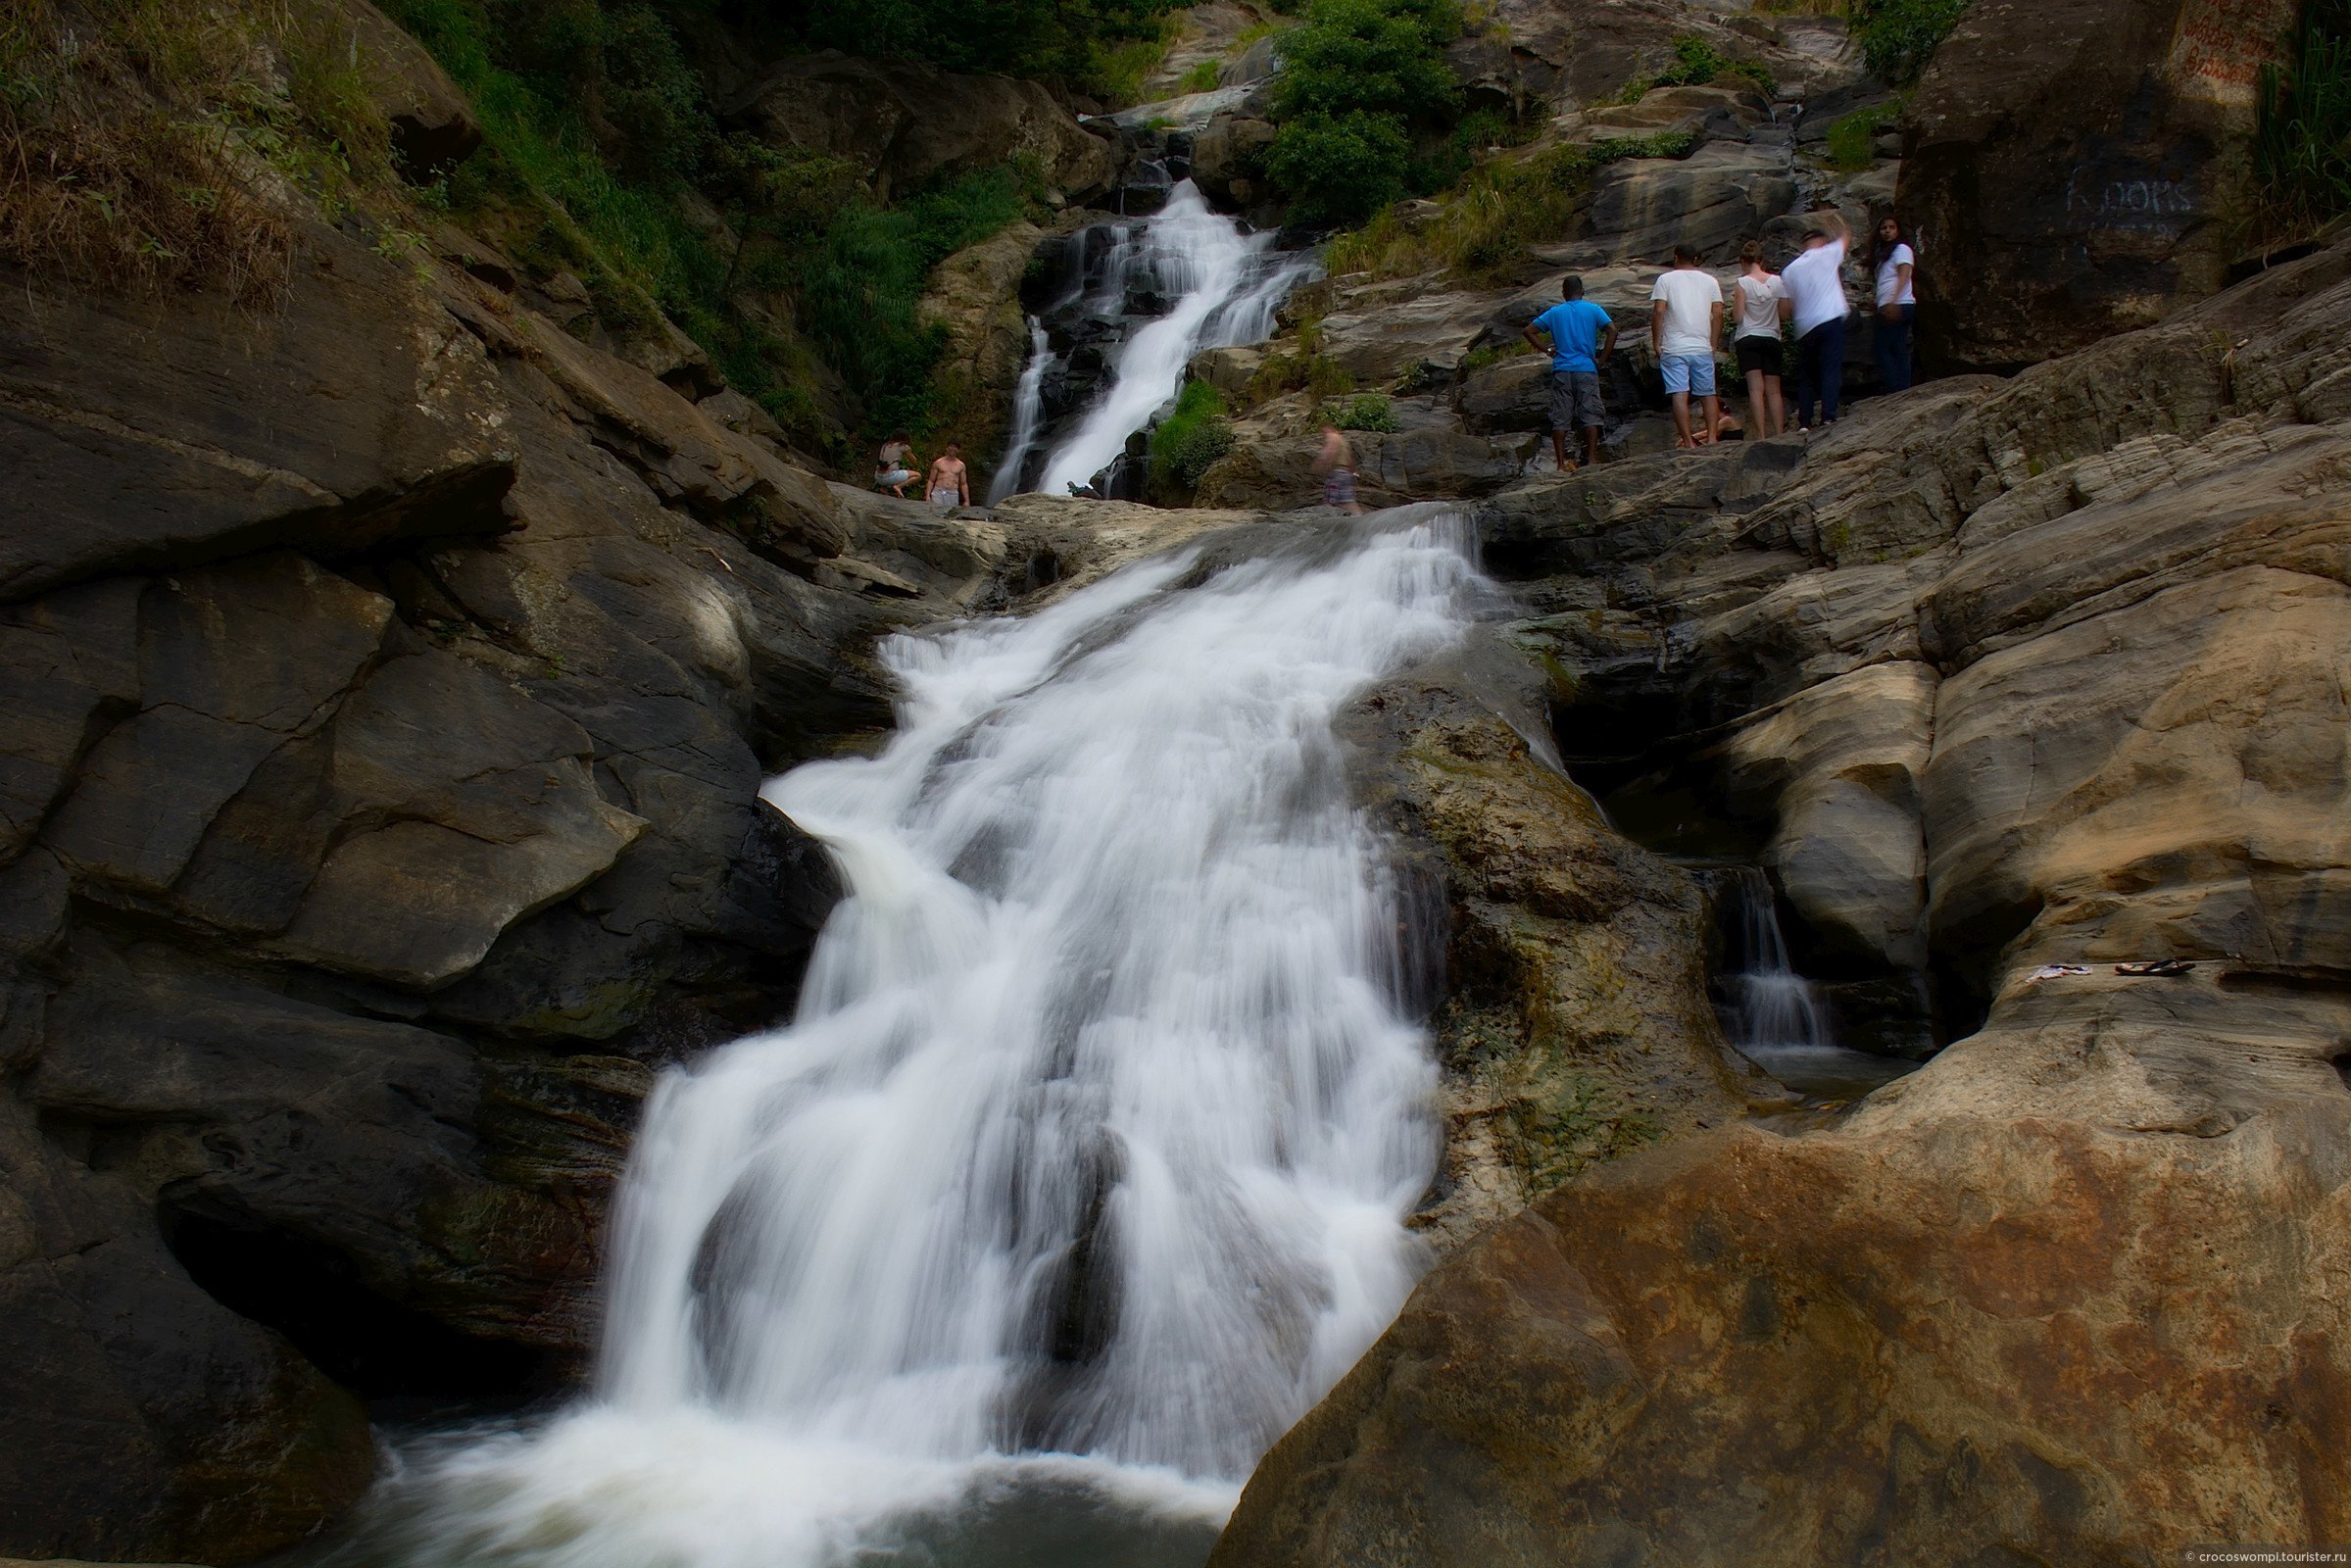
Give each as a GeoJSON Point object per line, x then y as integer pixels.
{"type": "Point", "coordinates": [2071, 167]}
{"type": "Point", "coordinates": [1575, 1025]}
{"type": "Point", "coordinates": [1999, 677]}
{"type": "Point", "coordinates": [904, 124]}
{"type": "Point", "coordinates": [386, 682]}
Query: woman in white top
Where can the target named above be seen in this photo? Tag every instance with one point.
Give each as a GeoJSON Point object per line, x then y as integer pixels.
{"type": "Point", "coordinates": [1897, 306]}
{"type": "Point", "coordinates": [1758, 305]}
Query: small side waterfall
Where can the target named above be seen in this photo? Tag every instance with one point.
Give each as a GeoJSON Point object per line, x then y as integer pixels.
{"type": "Point", "coordinates": [1194, 280]}
{"type": "Point", "coordinates": [1775, 1016]}
{"type": "Point", "coordinates": [1086, 1161]}
{"type": "Point", "coordinates": [1028, 415]}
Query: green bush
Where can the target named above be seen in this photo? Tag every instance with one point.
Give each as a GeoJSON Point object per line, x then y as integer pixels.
{"type": "Point", "coordinates": [1201, 77]}
{"type": "Point", "coordinates": [1900, 36]}
{"type": "Point", "coordinates": [862, 279]}
{"type": "Point", "coordinates": [1853, 139]}
{"type": "Point", "coordinates": [1698, 63]}
{"type": "Point", "coordinates": [1366, 411]}
{"type": "Point", "coordinates": [1185, 444]}
{"type": "Point", "coordinates": [2302, 137]}
{"type": "Point", "coordinates": [1359, 77]}
{"type": "Point", "coordinates": [1340, 169]}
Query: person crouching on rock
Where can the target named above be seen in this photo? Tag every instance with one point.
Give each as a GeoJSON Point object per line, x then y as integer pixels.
{"type": "Point", "coordinates": [1897, 306]}
{"type": "Point", "coordinates": [1582, 337]}
{"type": "Point", "coordinates": [1336, 467]}
{"type": "Point", "coordinates": [1686, 329]}
{"type": "Point", "coordinates": [951, 484]}
{"type": "Point", "coordinates": [894, 470]}
{"type": "Point", "coordinates": [1816, 299]}
{"type": "Point", "coordinates": [1760, 305]}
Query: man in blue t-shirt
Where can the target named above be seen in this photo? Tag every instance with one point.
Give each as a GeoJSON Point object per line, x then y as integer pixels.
{"type": "Point", "coordinates": [1581, 336]}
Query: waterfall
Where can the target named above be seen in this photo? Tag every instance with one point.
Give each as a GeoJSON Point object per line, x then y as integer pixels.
{"type": "Point", "coordinates": [1028, 413]}
{"type": "Point", "coordinates": [1085, 1162]}
{"type": "Point", "coordinates": [1775, 1016]}
{"type": "Point", "coordinates": [1220, 291]}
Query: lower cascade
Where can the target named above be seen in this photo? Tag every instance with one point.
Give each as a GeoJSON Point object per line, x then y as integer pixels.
{"type": "Point", "coordinates": [1082, 1172]}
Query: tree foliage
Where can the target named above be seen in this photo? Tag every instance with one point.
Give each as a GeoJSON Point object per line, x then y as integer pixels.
{"type": "Point", "coordinates": [1357, 80]}
{"type": "Point", "coordinates": [1898, 36]}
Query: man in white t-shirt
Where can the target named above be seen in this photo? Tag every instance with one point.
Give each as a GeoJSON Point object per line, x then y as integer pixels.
{"type": "Point", "coordinates": [1815, 293]}
{"type": "Point", "coordinates": [1686, 328]}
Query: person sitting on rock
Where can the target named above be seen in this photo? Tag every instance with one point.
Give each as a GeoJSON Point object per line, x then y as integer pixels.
{"type": "Point", "coordinates": [894, 470]}
{"type": "Point", "coordinates": [1686, 329]}
{"type": "Point", "coordinates": [1581, 336]}
{"type": "Point", "coordinates": [1897, 305]}
{"type": "Point", "coordinates": [1761, 305]}
{"type": "Point", "coordinates": [950, 482]}
{"type": "Point", "coordinates": [1337, 469]}
{"type": "Point", "coordinates": [1816, 298]}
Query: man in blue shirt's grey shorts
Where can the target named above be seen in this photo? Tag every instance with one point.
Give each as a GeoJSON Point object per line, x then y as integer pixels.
{"type": "Point", "coordinates": [1581, 336]}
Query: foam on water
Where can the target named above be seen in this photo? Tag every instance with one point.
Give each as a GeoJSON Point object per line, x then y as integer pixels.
{"type": "Point", "coordinates": [1082, 1172]}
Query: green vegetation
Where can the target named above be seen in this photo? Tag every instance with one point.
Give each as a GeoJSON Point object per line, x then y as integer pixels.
{"type": "Point", "coordinates": [1898, 36]}
{"type": "Point", "coordinates": [130, 130]}
{"type": "Point", "coordinates": [1103, 47]}
{"type": "Point", "coordinates": [1360, 78]}
{"type": "Point", "coordinates": [1201, 77]}
{"type": "Point", "coordinates": [1853, 139]}
{"type": "Point", "coordinates": [1366, 411]}
{"type": "Point", "coordinates": [1504, 206]}
{"type": "Point", "coordinates": [1188, 441]}
{"type": "Point", "coordinates": [816, 270]}
{"type": "Point", "coordinates": [2302, 139]}
{"type": "Point", "coordinates": [1697, 64]}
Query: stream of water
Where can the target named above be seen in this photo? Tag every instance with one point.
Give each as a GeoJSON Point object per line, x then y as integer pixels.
{"type": "Point", "coordinates": [1081, 1173]}
{"type": "Point", "coordinates": [1219, 287]}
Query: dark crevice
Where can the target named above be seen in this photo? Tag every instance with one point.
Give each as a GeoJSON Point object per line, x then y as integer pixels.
{"type": "Point", "coordinates": [310, 1293]}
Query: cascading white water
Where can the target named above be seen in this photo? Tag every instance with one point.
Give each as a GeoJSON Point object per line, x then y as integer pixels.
{"type": "Point", "coordinates": [1095, 1133]}
{"type": "Point", "coordinates": [1028, 413]}
{"type": "Point", "coordinates": [1776, 1017]}
{"type": "Point", "coordinates": [1220, 296]}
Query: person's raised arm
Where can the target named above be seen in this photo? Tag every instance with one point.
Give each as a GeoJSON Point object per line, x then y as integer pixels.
{"type": "Point", "coordinates": [1533, 341]}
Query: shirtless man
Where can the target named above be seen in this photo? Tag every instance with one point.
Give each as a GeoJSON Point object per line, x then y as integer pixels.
{"type": "Point", "coordinates": [950, 485]}
{"type": "Point", "coordinates": [1336, 467]}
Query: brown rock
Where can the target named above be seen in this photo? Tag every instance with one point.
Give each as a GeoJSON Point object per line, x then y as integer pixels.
{"type": "Point", "coordinates": [433, 123]}
{"type": "Point", "coordinates": [2072, 166]}
{"type": "Point", "coordinates": [146, 435]}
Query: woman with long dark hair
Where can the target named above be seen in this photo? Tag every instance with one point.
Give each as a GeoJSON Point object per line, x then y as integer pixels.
{"type": "Point", "coordinates": [1896, 267]}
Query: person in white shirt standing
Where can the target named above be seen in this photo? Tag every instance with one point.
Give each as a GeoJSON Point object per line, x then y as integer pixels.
{"type": "Point", "coordinates": [1897, 306]}
{"type": "Point", "coordinates": [1686, 328]}
{"type": "Point", "coordinates": [1816, 295]}
{"type": "Point", "coordinates": [1761, 303]}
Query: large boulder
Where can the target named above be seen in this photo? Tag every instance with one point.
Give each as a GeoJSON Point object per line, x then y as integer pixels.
{"type": "Point", "coordinates": [2074, 168]}
{"type": "Point", "coordinates": [902, 124]}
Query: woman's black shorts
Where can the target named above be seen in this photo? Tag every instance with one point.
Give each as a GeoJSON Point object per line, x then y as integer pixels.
{"type": "Point", "coordinates": [1759, 353]}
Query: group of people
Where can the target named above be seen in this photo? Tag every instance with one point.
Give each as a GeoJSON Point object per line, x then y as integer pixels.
{"type": "Point", "coordinates": [950, 482]}
{"type": "Point", "coordinates": [1688, 318]}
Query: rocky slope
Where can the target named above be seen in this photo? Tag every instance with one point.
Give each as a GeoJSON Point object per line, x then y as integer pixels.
{"type": "Point", "coordinates": [388, 679]}
{"type": "Point", "coordinates": [388, 675]}
{"type": "Point", "coordinates": [2009, 675]}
